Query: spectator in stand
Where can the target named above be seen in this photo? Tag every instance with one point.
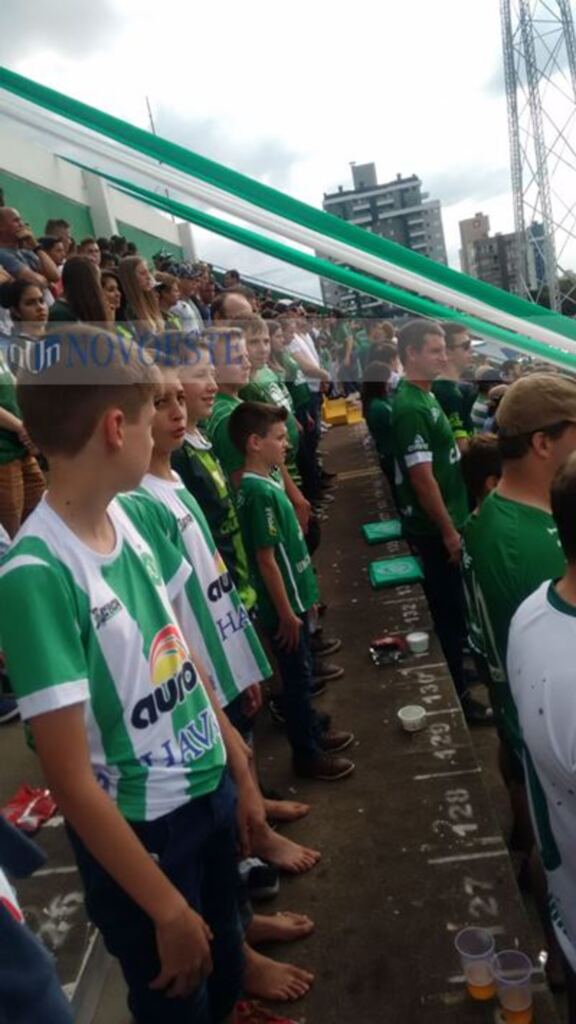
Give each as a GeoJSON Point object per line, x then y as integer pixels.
{"type": "Point", "coordinates": [286, 587]}
{"type": "Point", "coordinates": [454, 396]}
{"type": "Point", "coordinates": [60, 228]}
{"type": "Point", "coordinates": [108, 261]}
{"type": "Point", "coordinates": [486, 378]}
{"type": "Point", "coordinates": [431, 494]}
{"type": "Point", "coordinates": [495, 396]}
{"type": "Point", "coordinates": [230, 307]}
{"type": "Point", "coordinates": [231, 278]}
{"type": "Point", "coordinates": [168, 292]}
{"type": "Point", "coordinates": [27, 307]}
{"type": "Point", "coordinates": [119, 246]}
{"type": "Point", "coordinates": [20, 254]}
{"type": "Point", "coordinates": [21, 480]}
{"type": "Point", "coordinates": [89, 248]}
{"type": "Point", "coordinates": [377, 411]}
{"type": "Point", "coordinates": [82, 299]}
{"type": "Point", "coordinates": [381, 334]}
{"type": "Point", "coordinates": [114, 300]}
{"type": "Point", "coordinates": [142, 309]}
{"type": "Point", "coordinates": [541, 646]}
{"type": "Point", "coordinates": [301, 347]}
{"type": "Point", "coordinates": [511, 370]}
{"type": "Point", "coordinates": [56, 250]}
{"type": "Point", "coordinates": [186, 308]}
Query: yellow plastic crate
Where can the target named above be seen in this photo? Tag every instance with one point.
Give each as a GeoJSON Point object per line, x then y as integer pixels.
{"type": "Point", "coordinates": [334, 411]}
{"type": "Point", "coordinates": [354, 414]}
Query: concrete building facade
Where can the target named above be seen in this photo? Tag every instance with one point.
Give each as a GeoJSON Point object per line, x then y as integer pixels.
{"type": "Point", "coordinates": [397, 210]}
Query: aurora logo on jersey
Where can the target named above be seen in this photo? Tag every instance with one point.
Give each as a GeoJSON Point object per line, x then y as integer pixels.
{"type": "Point", "coordinates": [172, 674]}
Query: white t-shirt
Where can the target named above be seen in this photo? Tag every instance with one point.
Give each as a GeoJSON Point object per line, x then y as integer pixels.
{"type": "Point", "coordinates": [303, 344]}
{"type": "Point", "coordinates": [541, 657]}
{"type": "Point", "coordinates": [189, 315]}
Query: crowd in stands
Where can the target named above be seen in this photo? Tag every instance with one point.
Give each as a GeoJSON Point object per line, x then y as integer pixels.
{"type": "Point", "coordinates": [168, 574]}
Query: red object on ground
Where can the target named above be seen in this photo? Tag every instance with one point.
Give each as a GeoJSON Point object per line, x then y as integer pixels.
{"type": "Point", "coordinates": [250, 1012]}
{"type": "Point", "coordinates": [29, 808]}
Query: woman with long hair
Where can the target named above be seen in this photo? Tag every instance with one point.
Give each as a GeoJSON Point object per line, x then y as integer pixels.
{"type": "Point", "coordinates": [21, 480]}
{"type": "Point", "coordinates": [83, 300]}
{"type": "Point", "coordinates": [142, 307]}
{"type": "Point", "coordinates": [168, 292]}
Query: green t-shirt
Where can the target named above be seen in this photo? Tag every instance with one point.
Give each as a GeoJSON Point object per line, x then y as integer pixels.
{"type": "Point", "coordinates": [455, 405]}
{"type": "Point", "coordinates": [510, 549]}
{"type": "Point", "coordinates": [217, 623]}
{"type": "Point", "coordinates": [421, 433]}
{"type": "Point", "coordinates": [197, 465]}
{"type": "Point", "coordinates": [79, 627]}
{"type": "Point", "coordinates": [379, 420]}
{"type": "Point", "coordinates": [268, 520]}
{"type": "Point", "coordinates": [230, 458]}
{"type": "Point", "coordinates": [11, 447]}
{"type": "Point", "coordinates": [473, 619]}
{"type": "Point", "coordinates": [266, 386]}
{"type": "Point", "coordinates": [295, 381]}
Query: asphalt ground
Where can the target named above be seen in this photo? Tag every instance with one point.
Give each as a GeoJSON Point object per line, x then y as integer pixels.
{"type": "Point", "coordinates": [412, 844]}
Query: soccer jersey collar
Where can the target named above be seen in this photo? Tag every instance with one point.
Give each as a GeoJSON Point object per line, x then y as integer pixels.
{"type": "Point", "coordinates": [558, 602]}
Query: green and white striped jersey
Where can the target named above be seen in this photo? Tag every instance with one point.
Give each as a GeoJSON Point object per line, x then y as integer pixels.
{"type": "Point", "coordinates": [82, 627]}
{"type": "Point", "coordinates": [209, 608]}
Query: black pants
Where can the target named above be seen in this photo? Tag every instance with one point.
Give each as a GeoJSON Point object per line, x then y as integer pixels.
{"type": "Point", "coordinates": [445, 594]}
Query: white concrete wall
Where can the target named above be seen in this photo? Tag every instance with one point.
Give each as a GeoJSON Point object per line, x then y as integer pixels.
{"type": "Point", "coordinates": [36, 164]}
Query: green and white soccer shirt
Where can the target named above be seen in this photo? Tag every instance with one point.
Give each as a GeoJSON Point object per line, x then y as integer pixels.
{"type": "Point", "coordinates": [266, 386]}
{"type": "Point", "coordinates": [214, 619]}
{"type": "Point", "coordinates": [422, 434]}
{"type": "Point", "coordinates": [510, 548]}
{"type": "Point", "coordinates": [82, 627]}
{"type": "Point", "coordinates": [268, 520]}
{"type": "Point", "coordinates": [541, 650]}
{"type": "Point", "coordinates": [202, 475]}
{"type": "Point", "coordinates": [216, 426]}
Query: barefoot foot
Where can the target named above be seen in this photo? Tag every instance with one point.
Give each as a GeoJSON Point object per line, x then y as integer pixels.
{"type": "Point", "coordinates": [285, 810]}
{"type": "Point", "coordinates": [281, 927]}
{"type": "Point", "coordinates": [279, 983]}
{"type": "Point", "coordinates": [283, 853]}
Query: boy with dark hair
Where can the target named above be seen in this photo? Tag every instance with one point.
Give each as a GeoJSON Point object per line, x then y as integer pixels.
{"type": "Point", "coordinates": [286, 586]}
{"type": "Point", "coordinates": [128, 730]}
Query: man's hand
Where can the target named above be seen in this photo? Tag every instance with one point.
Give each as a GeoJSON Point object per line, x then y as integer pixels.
{"type": "Point", "coordinates": [252, 700]}
{"type": "Point", "coordinates": [453, 544]}
{"type": "Point", "coordinates": [250, 814]}
{"type": "Point", "coordinates": [288, 635]}
{"type": "Point", "coordinates": [184, 952]}
{"type": "Point", "coordinates": [303, 510]}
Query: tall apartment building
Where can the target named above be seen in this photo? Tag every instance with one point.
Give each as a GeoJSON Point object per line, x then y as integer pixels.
{"type": "Point", "coordinates": [494, 258]}
{"type": "Point", "coordinates": [398, 210]}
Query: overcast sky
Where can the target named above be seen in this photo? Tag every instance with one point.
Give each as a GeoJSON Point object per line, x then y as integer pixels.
{"type": "Point", "coordinates": [291, 94]}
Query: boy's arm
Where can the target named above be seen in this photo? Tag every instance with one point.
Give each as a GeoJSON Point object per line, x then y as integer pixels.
{"type": "Point", "coordinates": [301, 506]}
{"type": "Point", "coordinates": [289, 628]}
{"type": "Point", "coordinates": [182, 936]}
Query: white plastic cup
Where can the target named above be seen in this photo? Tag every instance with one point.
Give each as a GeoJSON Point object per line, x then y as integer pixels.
{"type": "Point", "coordinates": [475, 947]}
{"type": "Point", "coordinates": [418, 642]}
{"type": "Point", "coordinates": [513, 976]}
{"type": "Point", "coordinates": [412, 717]}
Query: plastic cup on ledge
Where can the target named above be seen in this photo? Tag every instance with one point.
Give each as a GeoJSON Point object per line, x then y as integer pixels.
{"type": "Point", "coordinates": [513, 976]}
{"type": "Point", "coordinates": [475, 947]}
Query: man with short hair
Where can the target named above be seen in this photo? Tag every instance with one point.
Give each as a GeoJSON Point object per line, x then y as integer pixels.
{"type": "Point", "coordinates": [231, 278]}
{"type": "Point", "coordinates": [455, 396]}
{"type": "Point", "coordinates": [186, 309]}
{"type": "Point", "coordinates": [23, 264]}
{"type": "Point", "coordinates": [60, 228]}
{"type": "Point", "coordinates": [89, 248]}
{"type": "Point", "coordinates": [541, 646]}
{"type": "Point", "coordinates": [431, 493]}
{"type": "Point", "coordinates": [513, 546]}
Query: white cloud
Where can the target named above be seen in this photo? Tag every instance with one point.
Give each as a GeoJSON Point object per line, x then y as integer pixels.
{"type": "Point", "coordinates": [293, 98]}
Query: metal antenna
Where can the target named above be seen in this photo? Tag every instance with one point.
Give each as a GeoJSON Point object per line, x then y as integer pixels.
{"type": "Point", "coordinates": [539, 48]}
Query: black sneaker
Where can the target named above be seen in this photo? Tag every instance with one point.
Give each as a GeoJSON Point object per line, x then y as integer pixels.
{"type": "Point", "coordinates": [336, 741]}
{"type": "Point", "coordinates": [261, 879]}
{"type": "Point", "coordinates": [317, 688]}
{"type": "Point", "coordinates": [324, 671]}
{"type": "Point", "coordinates": [323, 767]}
{"type": "Point", "coordinates": [322, 646]}
{"type": "Point", "coordinates": [476, 713]}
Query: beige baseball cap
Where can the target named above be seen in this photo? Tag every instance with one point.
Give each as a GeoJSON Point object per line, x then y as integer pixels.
{"type": "Point", "coordinates": [535, 402]}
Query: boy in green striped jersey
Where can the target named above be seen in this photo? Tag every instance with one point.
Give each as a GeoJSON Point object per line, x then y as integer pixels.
{"type": "Point", "coordinates": [286, 586]}
{"type": "Point", "coordinates": [128, 730]}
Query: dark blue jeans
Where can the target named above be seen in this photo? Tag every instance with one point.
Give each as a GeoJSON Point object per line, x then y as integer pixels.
{"type": "Point", "coordinates": [196, 848]}
{"type": "Point", "coordinates": [303, 723]}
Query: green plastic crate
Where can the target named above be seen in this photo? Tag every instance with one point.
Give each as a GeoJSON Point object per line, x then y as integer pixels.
{"type": "Point", "coordinates": [394, 572]}
{"type": "Point", "coordinates": [382, 531]}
